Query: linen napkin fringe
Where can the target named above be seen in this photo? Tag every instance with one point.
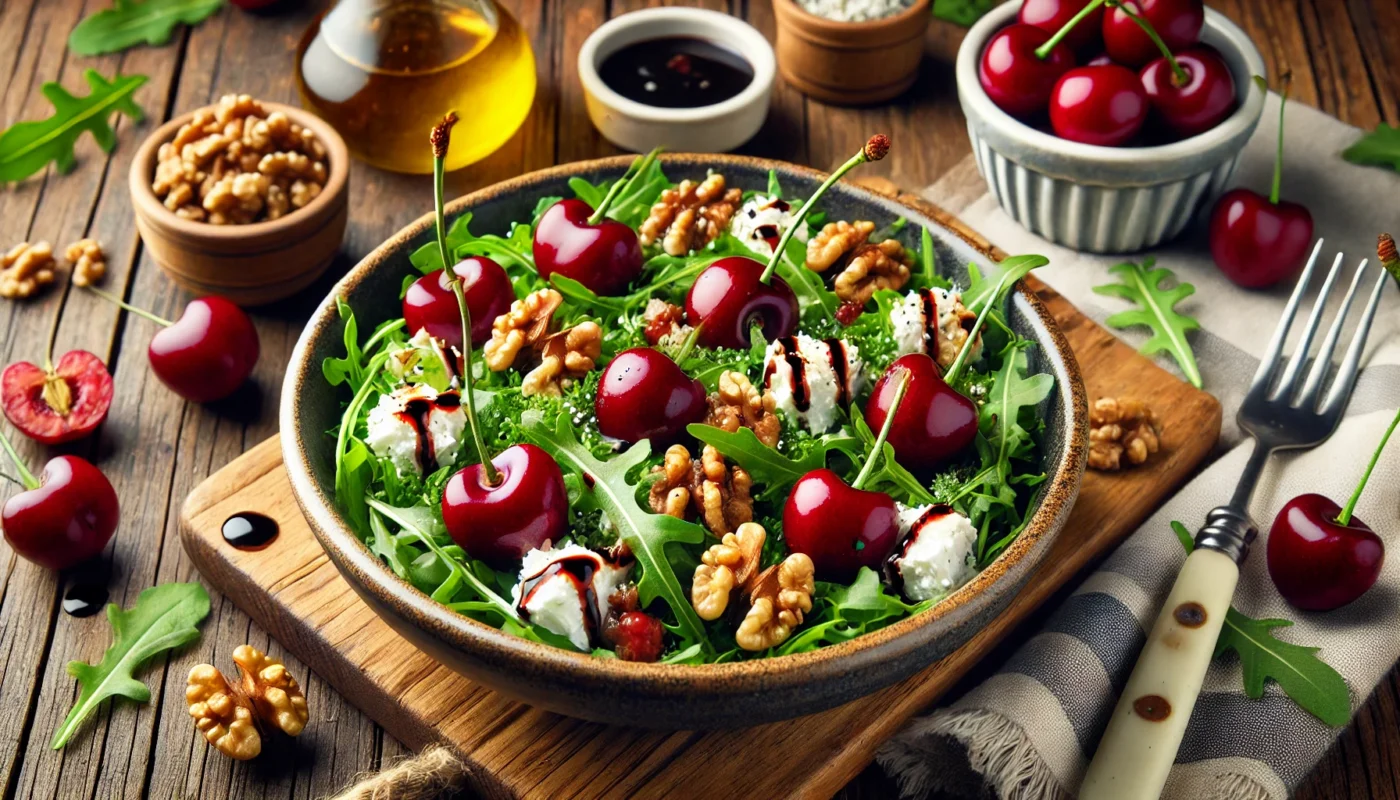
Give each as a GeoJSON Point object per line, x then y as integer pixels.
{"type": "Point", "coordinates": [997, 749]}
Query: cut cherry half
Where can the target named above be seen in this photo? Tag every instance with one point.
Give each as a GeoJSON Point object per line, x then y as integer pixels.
{"type": "Point", "coordinates": [59, 403]}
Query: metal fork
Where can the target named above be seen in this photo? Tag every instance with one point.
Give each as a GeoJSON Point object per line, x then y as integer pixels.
{"type": "Point", "coordinates": [1283, 410]}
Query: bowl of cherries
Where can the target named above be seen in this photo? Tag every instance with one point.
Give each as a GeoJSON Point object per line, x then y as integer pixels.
{"type": "Point", "coordinates": [1104, 125]}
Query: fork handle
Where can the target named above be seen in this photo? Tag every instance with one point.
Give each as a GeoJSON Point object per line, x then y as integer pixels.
{"type": "Point", "coordinates": [1140, 744]}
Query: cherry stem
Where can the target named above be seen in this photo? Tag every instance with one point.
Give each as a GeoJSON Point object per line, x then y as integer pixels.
{"type": "Point", "coordinates": [1180, 77]}
{"type": "Point", "coordinates": [1043, 52]}
{"type": "Point", "coordinates": [854, 161]}
{"type": "Point", "coordinates": [442, 135]}
{"type": "Point", "coordinates": [634, 171]}
{"type": "Point", "coordinates": [120, 303]}
{"type": "Point", "coordinates": [964, 354]}
{"type": "Point", "coordinates": [1274, 194]}
{"type": "Point", "coordinates": [878, 450]}
{"type": "Point", "coordinates": [26, 477]}
{"type": "Point", "coordinates": [1345, 517]}
{"type": "Point", "coordinates": [689, 344]}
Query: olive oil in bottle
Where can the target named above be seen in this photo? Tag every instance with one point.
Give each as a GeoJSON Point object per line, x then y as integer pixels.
{"type": "Point", "coordinates": [383, 72]}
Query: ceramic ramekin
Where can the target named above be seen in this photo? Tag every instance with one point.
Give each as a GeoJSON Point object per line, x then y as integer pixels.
{"type": "Point", "coordinates": [1106, 199]}
{"type": "Point", "coordinates": [851, 63]}
{"type": "Point", "coordinates": [708, 129]}
{"type": "Point", "coordinates": [248, 264]}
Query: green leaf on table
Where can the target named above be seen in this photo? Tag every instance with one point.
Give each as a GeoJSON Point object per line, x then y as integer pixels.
{"type": "Point", "coordinates": [647, 534]}
{"type": "Point", "coordinates": [982, 289]}
{"type": "Point", "coordinates": [1142, 285]}
{"type": "Point", "coordinates": [1380, 147]}
{"type": "Point", "coordinates": [27, 147]}
{"type": "Point", "coordinates": [962, 12]}
{"type": "Point", "coordinates": [163, 618]}
{"type": "Point", "coordinates": [128, 23]}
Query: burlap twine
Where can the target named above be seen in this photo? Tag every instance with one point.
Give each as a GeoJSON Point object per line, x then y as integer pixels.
{"type": "Point", "coordinates": [434, 773]}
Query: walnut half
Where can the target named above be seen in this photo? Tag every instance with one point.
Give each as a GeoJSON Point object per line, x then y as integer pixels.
{"type": "Point", "coordinates": [691, 215]}
{"type": "Point", "coordinates": [230, 715]}
{"type": "Point", "coordinates": [725, 567]}
{"type": "Point", "coordinates": [88, 260]}
{"type": "Point", "coordinates": [718, 493]}
{"type": "Point", "coordinates": [1119, 427]}
{"type": "Point", "coordinates": [25, 269]}
{"type": "Point", "coordinates": [737, 403]}
{"type": "Point", "coordinates": [781, 595]}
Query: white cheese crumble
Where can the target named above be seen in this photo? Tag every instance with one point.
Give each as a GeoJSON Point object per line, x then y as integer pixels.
{"type": "Point", "coordinates": [938, 553]}
{"type": "Point", "coordinates": [854, 10]}
{"type": "Point", "coordinates": [914, 334]}
{"type": "Point", "coordinates": [393, 434]}
{"type": "Point", "coordinates": [813, 378]}
{"type": "Point", "coordinates": [556, 604]}
{"type": "Point", "coordinates": [761, 218]}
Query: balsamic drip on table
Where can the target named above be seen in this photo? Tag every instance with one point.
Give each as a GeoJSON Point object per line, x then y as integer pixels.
{"type": "Point", "coordinates": [676, 72]}
{"type": "Point", "coordinates": [579, 569]}
{"type": "Point", "coordinates": [249, 530]}
{"type": "Point", "coordinates": [415, 414]}
{"type": "Point", "coordinates": [85, 598]}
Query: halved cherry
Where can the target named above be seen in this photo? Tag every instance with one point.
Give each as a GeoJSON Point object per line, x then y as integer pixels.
{"type": "Point", "coordinates": [60, 402]}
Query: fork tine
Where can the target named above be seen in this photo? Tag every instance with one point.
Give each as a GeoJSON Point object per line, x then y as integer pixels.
{"type": "Point", "coordinates": [1313, 387]}
{"type": "Point", "coordinates": [1300, 356]}
{"type": "Point", "coordinates": [1351, 365]}
{"type": "Point", "coordinates": [1269, 363]}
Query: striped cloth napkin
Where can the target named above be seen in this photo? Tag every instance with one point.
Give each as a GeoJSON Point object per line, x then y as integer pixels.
{"type": "Point", "coordinates": [1030, 729]}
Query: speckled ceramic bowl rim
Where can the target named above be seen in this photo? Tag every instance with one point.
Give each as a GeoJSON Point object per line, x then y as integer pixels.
{"type": "Point", "coordinates": [553, 664]}
{"type": "Point", "coordinates": [1236, 125]}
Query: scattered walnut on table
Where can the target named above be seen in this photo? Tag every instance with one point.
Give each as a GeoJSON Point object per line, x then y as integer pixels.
{"type": "Point", "coordinates": [725, 567]}
{"type": "Point", "coordinates": [717, 493]}
{"type": "Point", "coordinates": [274, 692]}
{"type": "Point", "coordinates": [1121, 427]}
{"type": "Point", "coordinates": [780, 596]}
{"type": "Point", "coordinates": [689, 216]}
{"type": "Point", "coordinates": [26, 269]}
{"type": "Point", "coordinates": [230, 715]}
{"type": "Point", "coordinates": [738, 403]}
{"type": "Point", "coordinates": [88, 260]}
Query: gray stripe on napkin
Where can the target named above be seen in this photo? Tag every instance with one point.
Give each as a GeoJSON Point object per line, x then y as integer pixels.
{"type": "Point", "coordinates": [1253, 728]}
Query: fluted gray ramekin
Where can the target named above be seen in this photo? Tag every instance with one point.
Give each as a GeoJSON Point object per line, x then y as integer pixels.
{"type": "Point", "coordinates": [1106, 199]}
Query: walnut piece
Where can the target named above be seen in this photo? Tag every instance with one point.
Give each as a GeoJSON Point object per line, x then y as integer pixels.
{"type": "Point", "coordinates": [565, 357]}
{"type": "Point", "coordinates": [1118, 427]}
{"type": "Point", "coordinates": [780, 595]}
{"type": "Point", "coordinates": [873, 267]}
{"type": "Point", "coordinates": [952, 333]}
{"type": "Point", "coordinates": [731, 564]}
{"type": "Point", "coordinates": [229, 715]}
{"type": "Point", "coordinates": [664, 322]}
{"type": "Point", "coordinates": [235, 163]}
{"type": "Point", "coordinates": [26, 269]}
{"type": "Point", "coordinates": [738, 403]}
{"type": "Point", "coordinates": [691, 215]}
{"type": "Point", "coordinates": [717, 493]}
{"type": "Point", "coordinates": [88, 260]}
{"type": "Point", "coordinates": [522, 326]}
{"type": "Point", "coordinates": [274, 692]}
{"type": "Point", "coordinates": [670, 493]}
{"type": "Point", "coordinates": [835, 241]}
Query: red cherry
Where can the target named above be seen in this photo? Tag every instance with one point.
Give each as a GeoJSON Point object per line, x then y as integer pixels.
{"type": "Point", "coordinates": [526, 508]}
{"type": "Point", "coordinates": [605, 257]}
{"type": "Point", "coordinates": [1098, 105]}
{"type": "Point", "coordinates": [1207, 97]}
{"type": "Point", "coordinates": [208, 352]}
{"type": "Point", "coordinates": [430, 303]}
{"type": "Point", "coordinates": [254, 5]}
{"type": "Point", "coordinates": [1178, 22]}
{"type": "Point", "coordinates": [1100, 60]}
{"type": "Point", "coordinates": [639, 637]}
{"type": "Point", "coordinates": [89, 395]}
{"type": "Point", "coordinates": [642, 394]}
{"type": "Point", "coordinates": [1051, 15]}
{"type": "Point", "coordinates": [842, 529]}
{"type": "Point", "coordinates": [933, 424]}
{"type": "Point", "coordinates": [1257, 243]}
{"type": "Point", "coordinates": [1014, 77]}
{"type": "Point", "coordinates": [66, 519]}
{"type": "Point", "coordinates": [1317, 563]}
{"type": "Point", "coordinates": [728, 297]}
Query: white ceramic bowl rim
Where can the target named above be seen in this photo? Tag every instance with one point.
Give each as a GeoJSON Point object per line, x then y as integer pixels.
{"type": "Point", "coordinates": [723, 30]}
{"type": "Point", "coordinates": [1008, 127]}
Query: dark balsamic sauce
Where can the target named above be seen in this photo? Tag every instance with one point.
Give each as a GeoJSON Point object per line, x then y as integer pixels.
{"type": "Point", "coordinates": [840, 366]}
{"type": "Point", "coordinates": [930, 318]}
{"type": "Point", "coordinates": [579, 570]}
{"type": "Point", "coordinates": [676, 72]}
{"type": "Point", "coordinates": [801, 391]}
{"type": "Point", "coordinates": [249, 531]}
{"type": "Point", "coordinates": [769, 234]}
{"type": "Point", "coordinates": [893, 576]}
{"type": "Point", "coordinates": [85, 598]}
{"type": "Point", "coordinates": [415, 414]}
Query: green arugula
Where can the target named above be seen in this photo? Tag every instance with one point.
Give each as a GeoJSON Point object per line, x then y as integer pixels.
{"type": "Point", "coordinates": [128, 23]}
{"type": "Point", "coordinates": [888, 473]}
{"type": "Point", "coordinates": [841, 613]}
{"type": "Point", "coordinates": [27, 147]}
{"type": "Point", "coordinates": [632, 207]}
{"type": "Point", "coordinates": [983, 288]}
{"type": "Point", "coordinates": [1381, 147]}
{"type": "Point", "coordinates": [962, 12]}
{"type": "Point", "coordinates": [514, 252]}
{"type": "Point", "coordinates": [1309, 681]}
{"type": "Point", "coordinates": [164, 617]}
{"type": "Point", "coordinates": [647, 534]}
{"type": "Point", "coordinates": [765, 464]}
{"type": "Point", "coordinates": [1142, 285]}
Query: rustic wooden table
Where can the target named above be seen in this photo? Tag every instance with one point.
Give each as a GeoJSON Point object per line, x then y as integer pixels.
{"type": "Point", "coordinates": [156, 448]}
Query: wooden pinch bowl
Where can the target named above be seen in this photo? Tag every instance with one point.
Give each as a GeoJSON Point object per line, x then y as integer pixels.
{"type": "Point", "coordinates": [850, 63]}
{"type": "Point", "coordinates": [249, 264]}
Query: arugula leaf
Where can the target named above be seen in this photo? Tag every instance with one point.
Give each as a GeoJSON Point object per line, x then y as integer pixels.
{"type": "Point", "coordinates": [349, 369]}
{"type": "Point", "coordinates": [514, 252]}
{"type": "Point", "coordinates": [1380, 147]}
{"type": "Point", "coordinates": [775, 189]}
{"type": "Point", "coordinates": [647, 534]}
{"type": "Point", "coordinates": [27, 147]}
{"type": "Point", "coordinates": [962, 12]}
{"type": "Point", "coordinates": [888, 472]}
{"type": "Point", "coordinates": [1157, 310]}
{"type": "Point", "coordinates": [766, 464]}
{"type": "Point", "coordinates": [841, 613]}
{"type": "Point", "coordinates": [129, 23]}
{"type": "Point", "coordinates": [163, 618]}
{"type": "Point", "coordinates": [982, 289]}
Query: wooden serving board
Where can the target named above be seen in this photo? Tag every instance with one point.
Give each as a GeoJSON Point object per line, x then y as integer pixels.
{"type": "Point", "coordinates": [296, 594]}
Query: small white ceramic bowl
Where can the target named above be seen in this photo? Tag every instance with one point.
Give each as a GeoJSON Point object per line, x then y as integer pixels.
{"type": "Point", "coordinates": [709, 129]}
{"type": "Point", "coordinates": [1106, 199]}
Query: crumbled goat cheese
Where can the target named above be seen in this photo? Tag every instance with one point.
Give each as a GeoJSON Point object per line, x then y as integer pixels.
{"type": "Point", "coordinates": [557, 603]}
{"type": "Point", "coordinates": [854, 10]}
{"type": "Point", "coordinates": [761, 221]}
{"type": "Point", "coordinates": [804, 376]}
{"type": "Point", "coordinates": [912, 331]}
{"type": "Point", "coordinates": [938, 555]}
{"type": "Point", "coordinates": [394, 433]}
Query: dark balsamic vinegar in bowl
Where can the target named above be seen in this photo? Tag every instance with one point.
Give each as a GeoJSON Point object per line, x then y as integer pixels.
{"type": "Point", "coordinates": [676, 72]}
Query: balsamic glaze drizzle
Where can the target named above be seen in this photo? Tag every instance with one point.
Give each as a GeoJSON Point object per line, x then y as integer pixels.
{"type": "Point", "coordinates": [249, 530]}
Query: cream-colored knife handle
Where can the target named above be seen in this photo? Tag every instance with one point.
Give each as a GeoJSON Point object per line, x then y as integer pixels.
{"type": "Point", "coordinates": [1143, 734]}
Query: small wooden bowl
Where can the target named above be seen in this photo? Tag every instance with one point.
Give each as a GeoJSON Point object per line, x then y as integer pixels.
{"type": "Point", "coordinates": [248, 264]}
{"type": "Point", "coordinates": [850, 63]}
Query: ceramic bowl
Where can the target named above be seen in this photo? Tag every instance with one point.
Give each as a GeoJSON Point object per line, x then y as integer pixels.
{"type": "Point", "coordinates": [1106, 199]}
{"type": "Point", "coordinates": [248, 264]}
{"type": "Point", "coordinates": [850, 63]}
{"type": "Point", "coordinates": [659, 695]}
{"type": "Point", "coordinates": [710, 129]}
